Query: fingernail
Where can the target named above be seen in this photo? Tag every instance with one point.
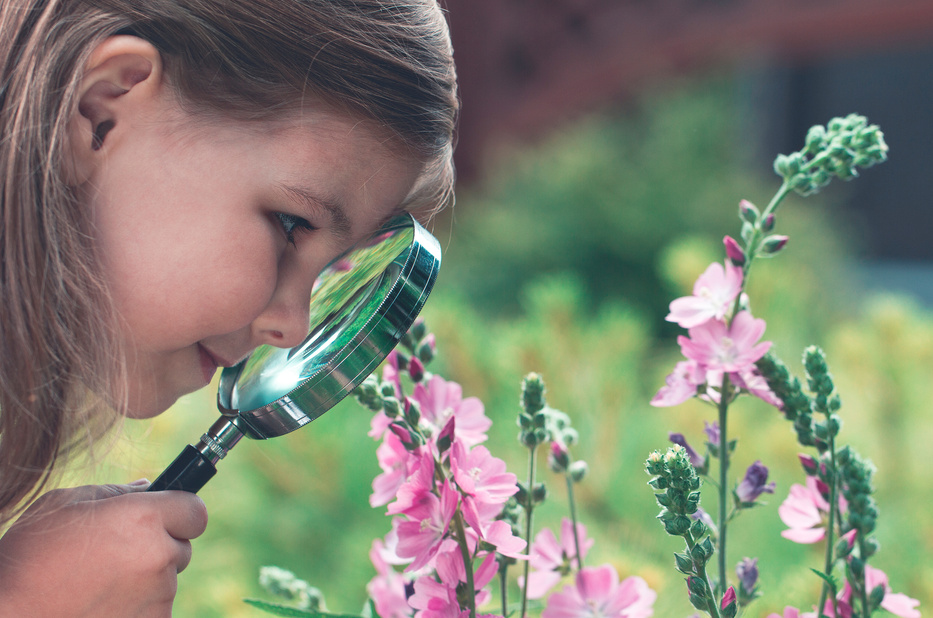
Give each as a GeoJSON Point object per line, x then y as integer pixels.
{"type": "Point", "coordinates": [139, 482]}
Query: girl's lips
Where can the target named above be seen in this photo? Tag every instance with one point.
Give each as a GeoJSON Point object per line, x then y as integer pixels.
{"type": "Point", "coordinates": [209, 364]}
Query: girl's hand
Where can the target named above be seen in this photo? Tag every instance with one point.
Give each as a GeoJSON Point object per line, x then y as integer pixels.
{"type": "Point", "coordinates": [99, 550]}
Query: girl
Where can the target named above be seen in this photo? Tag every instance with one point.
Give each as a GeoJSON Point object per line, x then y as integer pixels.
{"type": "Point", "coordinates": [173, 176]}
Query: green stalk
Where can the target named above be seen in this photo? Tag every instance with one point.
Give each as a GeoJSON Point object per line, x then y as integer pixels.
{"type": "Point", "coordinates": [467, 561]}
{"type": "Point", "coordinates": [712, 606]}
{"type": "Point", "coordinates": [723, 478]}
{"type": "Point", "coordinates": [830, 528]}
{"type": "Point", "coordinates": [529, 509]}
{"type": "Point", "coordinates": [573, 519]}
{"type": "Point", "coordinates": [866, 611]}
{"type": "Point", "coordinates": [503, 583]}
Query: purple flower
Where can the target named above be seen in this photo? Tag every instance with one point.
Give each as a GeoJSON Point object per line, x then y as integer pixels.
{"type": "Point", "coordinates": [747, 572]}
{"type": "Point", "coordinates": [712, 432]}
{"type": "Point", "coordinates": [755, 483]}
{"type": "Point", "coordinates": [695, 458]}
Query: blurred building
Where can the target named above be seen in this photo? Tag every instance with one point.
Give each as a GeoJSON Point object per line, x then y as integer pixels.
{"type": "Point", "coordinates": [528, 65]}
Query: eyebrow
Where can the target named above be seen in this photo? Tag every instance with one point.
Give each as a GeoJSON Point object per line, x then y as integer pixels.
{"type": "Point", "coordinates": [312, 202]}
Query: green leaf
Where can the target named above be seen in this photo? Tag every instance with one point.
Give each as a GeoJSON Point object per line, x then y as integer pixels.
{"type": "Point", "coordinates": [827, 578]}
{"type": "Point", "coordinates": [293, 612]}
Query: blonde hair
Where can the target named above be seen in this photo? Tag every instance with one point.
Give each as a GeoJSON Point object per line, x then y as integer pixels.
{"type": "Point", "coordinates": [387, 62]}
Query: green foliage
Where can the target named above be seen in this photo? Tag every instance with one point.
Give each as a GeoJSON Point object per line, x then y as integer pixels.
{"type": "Point", "coordinates": [564, 264]}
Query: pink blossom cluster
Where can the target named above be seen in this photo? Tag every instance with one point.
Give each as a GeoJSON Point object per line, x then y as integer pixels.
{"type": "Point", "coordinates": [720, 342]}
{"type": "Point", "coordinates": [896, 603]}
{"type": "Point", "coordinates": [445, 492]}
{"type": "Point", "coordinates": [805, 511]}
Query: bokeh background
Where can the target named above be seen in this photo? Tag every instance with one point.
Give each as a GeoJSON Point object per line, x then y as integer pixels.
{"type": "Point", "coordinates": [604, 147]}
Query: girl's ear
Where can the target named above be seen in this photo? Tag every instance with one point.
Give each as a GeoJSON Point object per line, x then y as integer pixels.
{"type": "Point", "coordinates": [122, 79]}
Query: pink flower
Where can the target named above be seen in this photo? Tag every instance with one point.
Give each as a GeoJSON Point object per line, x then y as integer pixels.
{"type": "Point", "coordinates": [551, 560]}
{"type": "Point", "coordinates": [438, 599]}
{"type": "Point", "coordinates": [387, 588]}
{"type": "Point", "coordinates": [803, 511]}
{"type": "Point", "coordinates": [481, 475]}
{"type": "Point", "coordinates": [434, 599]}
{"type": "Point", "coordinates": [440, 400]}
{"type": "Point", "coordinates": [394, 460]}
{"type": "Point", "coordinates": [420, 480]}
{"type": "Point", "coordinates": [896, 603]}
{"type": "Point", "coordinates": [598, 594]}
{"type": "Point", "coordinates": [713, 295]}
{"type": "Point", "coordinates": [680, 385]}
{"type": "Point", "coordinates": [421, 537]}
{"type": "Point", "coordinates": [733, 348]}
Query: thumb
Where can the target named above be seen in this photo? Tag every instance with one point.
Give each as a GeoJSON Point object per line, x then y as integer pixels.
{"type": "Point", "coordinates": [102, 492]}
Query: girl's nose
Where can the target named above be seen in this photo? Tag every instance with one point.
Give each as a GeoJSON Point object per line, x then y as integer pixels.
{"type": "Point", "coordinates": [284, 321]}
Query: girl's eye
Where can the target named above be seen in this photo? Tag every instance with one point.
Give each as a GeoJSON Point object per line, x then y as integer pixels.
{"type": "Point", "coordinates": [292, 224]}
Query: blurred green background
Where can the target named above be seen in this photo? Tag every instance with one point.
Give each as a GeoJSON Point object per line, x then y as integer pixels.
{"type": "Point", "coordinates": [562, 261]}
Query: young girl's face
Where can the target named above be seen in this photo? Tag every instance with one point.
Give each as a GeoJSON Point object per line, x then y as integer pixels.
{"type": "Point", "coordinates": [211, 234]}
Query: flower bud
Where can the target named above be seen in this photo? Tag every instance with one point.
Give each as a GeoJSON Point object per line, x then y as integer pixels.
{"type": "Point", "coordinates": [533, 390]}
{"type": "Point", "coordinates": [698, 528]}
{"type": "Point", "coordinates": [416, 369]}
{"type": "Point", "coordinates": [412, 411]}
{"type": "Point", "coordinates": [773, 244]}
{"type": "Point", "coordinates": [391, 407]}
{"type": "Point", "coordinates": [697, 586]}
{"type": "Point", "coordinates": [539, 493]}
{"type": "Point", "coordinates": [809, 463]}
{"type": "Point", "coordinates": [857, 566]}
{"type": "Point", "coordinates": [578, 470]}
{"type": "Point", "coordinates": [404, 436]}
{"type": "Point", "coordinates": [748, 212]}
{"type": "Point", "coordinates": [418, 330]}
{"type": "Point", "coordinates": [426, 349]}
{"type": "Point", "coordinates": [767, 224]}
{"type": "Point", "coordinates": [558, 458]}
{"type": "Point", "coordinates": [876, 596]}
{"type": "Point", "coordinates": [734, 252]}
{"type": "Point", "coordinates": [387, 389]}
{"type": "Point", "coordinates": [446, 437]}
{"type": "Point", "coordinates": [684, 564]}
{"type": "Point", "coordinates": [747, 573]}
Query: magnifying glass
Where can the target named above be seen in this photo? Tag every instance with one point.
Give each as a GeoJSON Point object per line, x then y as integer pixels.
{"type": "Point", "coordinates": [361, 306]}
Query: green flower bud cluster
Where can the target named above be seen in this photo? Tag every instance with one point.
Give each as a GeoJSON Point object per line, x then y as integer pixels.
{"type": "Point", "coordinates": [533, 419]}
{"type": "Point", "coordinates": [825, 400]}
{"type": "Point", "coordinates": [369, 394]}
{"type": "Point", "coordinates": [677, 490]}
{"type": "Point", "coordinates": [417, 343]}
{"type": "Point", "coordinates": [838, 149]}
{"type": "Point", "coordinates": [857, 487]}
{"type": "Point", "coordinates": [283, 584]}
{"type": "Point", "coordinates": [798, 408]}
{"type": "Point", "coordinates": [536, 495]}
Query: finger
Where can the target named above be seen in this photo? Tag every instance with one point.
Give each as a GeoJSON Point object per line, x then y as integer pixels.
{"type": "Point", "coordinates": [184, 515]}
{"type": "Point", "coordinates": [182, 554]}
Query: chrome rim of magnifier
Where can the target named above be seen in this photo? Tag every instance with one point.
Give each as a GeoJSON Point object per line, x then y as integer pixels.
{"type": "Point", "coordinates": [394, 294]}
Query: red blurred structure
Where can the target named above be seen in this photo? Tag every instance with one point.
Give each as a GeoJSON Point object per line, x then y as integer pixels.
{"type": "Point", "coordinates": [526, 65]}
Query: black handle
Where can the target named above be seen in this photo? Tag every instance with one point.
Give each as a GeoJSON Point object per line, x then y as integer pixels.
{"type": "Point", "coordinates": [189, 472]}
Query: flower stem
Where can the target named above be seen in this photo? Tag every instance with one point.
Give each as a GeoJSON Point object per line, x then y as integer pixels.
{"type": "Point", "coordinates": [529, 510]}
{"type": "Point", "coordinates": [712, 606]}
{"type": "Point", "coordinates": [467, 562]}
{"type": "Point", "coordinates": [866, 610]}
{"type": "Point", "coordinates": [756, 237]}
{"type": "Point", "coordinates": [830, 527]}
{"type": "Point", "coordinates": [723, 478]}
{"type": "Point", "coordinates": [573, 519]}
{"type": "Point", "coordinates": [503, 586]}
